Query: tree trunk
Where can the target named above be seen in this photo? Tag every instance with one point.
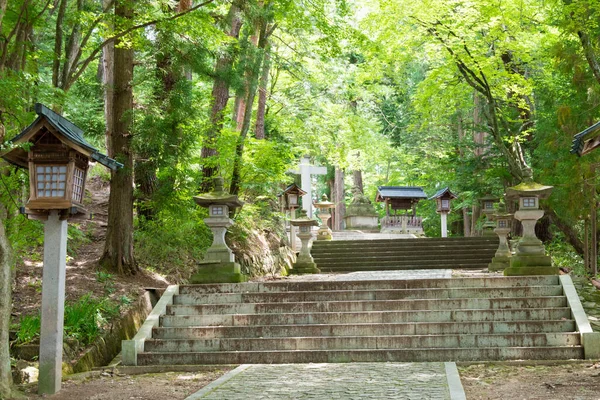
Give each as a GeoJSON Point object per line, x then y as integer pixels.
{"type": "Point", "coordinates": [338, 199]}
{"type": "Point", "coordinates": [6, 263]}
{"type": "Point", "coordinates": [475, 213]}
{"type": "Point", "coordinates": [255, 63]}
{"type": "Point", "coordinates": [108, 82]}
{"type": "Point", "coordinates": [118, 249]}
{"type": "Point", "coordinates": [358, 180]}
{"type": "Point", "coordinates": [466, 222]}
{"type": "Point", "coordinates": [58, 35]}
{"type": "Point", "coordinates": [2, 11]}
{"type": "Point", "coordinates": [259, 130]}
{"type": "Point", "coordinates": [220, 97]}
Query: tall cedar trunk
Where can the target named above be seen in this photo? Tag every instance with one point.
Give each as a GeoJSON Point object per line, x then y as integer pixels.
{"type": "Point", "coordinates": [466, 222]}
{"type": "Point", "coordinates": [252, 72]}
{"type": "Point", "coordinates": [242, 95]}
{"type": "Point", "coordinates": [259, 130]}
{"type": "Point", "coordinates": [118, 249]}
{"type": "Point", "coordinates": [3, 4]}
{"type": "Point", "coordinates": [58, 37]}
{"type": "Point", "coordinates": [358, 180]}
{"type": "Point", "coordinates": [108, 82]}
{"type": "Point", "coordinates": [6, 280]}
{"type": "Point", "coordinates": [338, 199]}
{"type": "Point", "coordinates": [220, 97]}
{"type": "Point", "coordinates": [475, 213]}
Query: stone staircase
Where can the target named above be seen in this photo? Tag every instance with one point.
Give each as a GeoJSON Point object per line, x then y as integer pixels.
{"type": "Point", "coordinates": [457, 319]}
{"type": "Point", "coordinates": [402, 254]}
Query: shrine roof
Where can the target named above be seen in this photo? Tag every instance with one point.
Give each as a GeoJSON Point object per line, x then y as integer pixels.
{"type": "Point", "coordinates": [586, 140]}
{"type": "Point", "coordinates": [400, 192]}
{"type": "Point", "coordinates": [70, 131]}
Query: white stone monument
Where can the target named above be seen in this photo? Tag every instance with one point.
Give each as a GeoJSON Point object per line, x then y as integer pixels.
{"type": "Point", "coordinates": [306, 170]}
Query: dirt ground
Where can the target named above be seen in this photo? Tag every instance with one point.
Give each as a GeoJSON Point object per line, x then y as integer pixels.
{"type": "Point", "coordinates": [577, 381]}
{"type": "Point", "coordinates": [106, 386]}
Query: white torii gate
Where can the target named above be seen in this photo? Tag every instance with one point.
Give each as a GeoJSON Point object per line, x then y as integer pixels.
{"type": "Point", "coordinates": [305, 172]}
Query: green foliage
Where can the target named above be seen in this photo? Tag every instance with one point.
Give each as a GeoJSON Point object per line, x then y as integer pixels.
{"type": "Point", "coordinates": [84, 320]}
{"type": "Point", "coordinates": [107, 280]}
{"type": "Point", "coordinates": [563, 255]}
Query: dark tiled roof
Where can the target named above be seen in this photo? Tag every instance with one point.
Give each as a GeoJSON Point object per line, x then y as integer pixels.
{"type": "Point", "coordinates": [442, 192]}
{"type": "Point", "coordinates": [401, 192]}
{"type": "Point", "coordinates": [70, 131]}
{"type": "Point", "coordinates": [579, 140]}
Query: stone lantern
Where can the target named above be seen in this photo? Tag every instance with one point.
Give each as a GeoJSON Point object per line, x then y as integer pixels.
{"type": "Point", "coordinates": [290, 199]}
{"type": "Point", "coordinates": [57, 157]}
{"type": "Point", "coordinates": [324, 233]}
{"type": "Point", "coordinates": [501, 259]}
{"type": "Point", "coordinates": [304, 263]}
{"type": "Point", "coordinates": [530, 255]}
{"type": "Point", "coordinates": [218, 265]}
{"type": "Point", "coordinates": [442, 199]}
{"type": "Point", "coordinates": [488, 208]}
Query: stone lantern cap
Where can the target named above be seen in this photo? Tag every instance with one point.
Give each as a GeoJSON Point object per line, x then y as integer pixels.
{"type": "Point", "coordinates": [304, 220]}
{"type": "Point", "coordinates": [218, 197]}
{"type": "Point", "coordinates": [324, 203]}
{"type": "Point", "coordinates": [501, 212]}
{"type": "Point", "coordinates": [529, 189]}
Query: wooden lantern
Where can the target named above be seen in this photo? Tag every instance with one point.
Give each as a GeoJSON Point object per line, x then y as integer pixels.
{"type": "Point", "coordinates": [291, 196]}
{"type": "Point", "coordinates": [442, 200]}
{"type": "Point", "coordinates": [57, 156]}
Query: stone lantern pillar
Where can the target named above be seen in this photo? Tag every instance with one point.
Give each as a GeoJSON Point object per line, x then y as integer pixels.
{"type": "Point", "coordinates": [304, 262]}
{"type": "Point", "coordinates": [501, 260]}
{"type": "Point", "coordinates": [324, 233]}
{"type": "Point", "coordinates": [290, 197]}
{"type": "Point", "coordinates": [218, 265]}
{"type": "Point", "coordinates": [530, 255]}
{"type": "Point", "coordinates": [488, 204]}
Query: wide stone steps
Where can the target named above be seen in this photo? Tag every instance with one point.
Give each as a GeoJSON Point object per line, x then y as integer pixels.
{"type": "Point", "coordinates": [363, 342]}
{"type": "Point", "coordinates": [369, 295]}
{"type": "Point", "coordinates": [459, 319]}
{"type": "Point", "coordinates": [371, 317]}
{"type": "Point", "coordinates": [365, 329]}
{"type": "Point", "coordinates": [401, 254]}
{"type": "Point", "coordinates": [376, 305]}
{"type": "Point", "coordinates": [362, 355]}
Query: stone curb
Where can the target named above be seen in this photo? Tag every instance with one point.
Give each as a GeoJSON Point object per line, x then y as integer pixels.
{"type": "Point", "coordinates": [131, 348]}
{"type": "Point", "coordinates": [454, 384]}
{"type": "Point", "coordinates": [589, 339]}
{"type": "Point", "coordinates": [217, 383]}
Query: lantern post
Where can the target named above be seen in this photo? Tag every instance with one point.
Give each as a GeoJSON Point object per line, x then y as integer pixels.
{"type": "Point", "coordinates": [443, 198]}
{"type": "Point", "coordinates": [57, 157]}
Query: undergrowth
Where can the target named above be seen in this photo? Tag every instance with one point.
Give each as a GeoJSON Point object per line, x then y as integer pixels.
{"type": "Point", "coordinates": [84, 321]}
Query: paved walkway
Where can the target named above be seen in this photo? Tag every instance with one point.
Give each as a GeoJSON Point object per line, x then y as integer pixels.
{"type": "Point", "coordinates": [407, 381]}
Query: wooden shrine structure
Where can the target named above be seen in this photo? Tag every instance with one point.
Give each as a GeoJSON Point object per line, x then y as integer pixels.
{"type": "Point", "coordinates": [403, 199]}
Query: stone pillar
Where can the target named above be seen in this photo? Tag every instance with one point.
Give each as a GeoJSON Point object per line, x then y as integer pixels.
{"type": "Point", "coordinates": [53, 304]}
{"type": "Point", "coordinates": [324, 233]}
{"type": "Point", "coordinates": [305, 264]}
{"type": "Point", "coordinates": [501, 259]}
{"type": "Point", "coordinates": [444, 220]}
{"type": "Point", "coordinates": [293, 230]}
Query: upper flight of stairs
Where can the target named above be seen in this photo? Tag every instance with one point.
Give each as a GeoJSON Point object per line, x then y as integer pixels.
{"type": "Point", "coordinates": [397, 254]}
{"type": "Point", "coordinates": [458, 319]}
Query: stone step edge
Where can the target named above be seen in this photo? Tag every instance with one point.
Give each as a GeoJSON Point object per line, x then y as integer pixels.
{"type": "Point", "coordinates": [491, 310]}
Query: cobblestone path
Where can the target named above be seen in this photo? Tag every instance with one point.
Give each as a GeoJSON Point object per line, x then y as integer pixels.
{"type": "Point", "coordinates": [407, 381]}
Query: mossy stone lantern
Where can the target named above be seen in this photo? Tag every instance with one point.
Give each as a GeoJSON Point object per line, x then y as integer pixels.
{"type": "Point", "coordinates": [324, 233]}
{"type": "Point", "coordinates": [501, 259]}
{"type": "Point", "coordinates": [57, 156]}
{"type": "Point", "coordinates": [530, 255]}
{"type": "Point", "coordinates": [304, 262]}
{"type": "Point", "coordinates": [443, 198]}
{"type": "Point", "coordinates": [488, 208]}
{"type": "Point", "coordinates": [218, 265]}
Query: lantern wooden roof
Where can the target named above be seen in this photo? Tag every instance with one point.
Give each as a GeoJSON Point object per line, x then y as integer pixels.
{"type": "Point", "coordinates": [64, 130]}
{"type": "Point", "coordinates": [586, 140]}
{"type": "Point", "coordinates": [293, 189]}
{"type": "Point", "coordinates": [443, 193]}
